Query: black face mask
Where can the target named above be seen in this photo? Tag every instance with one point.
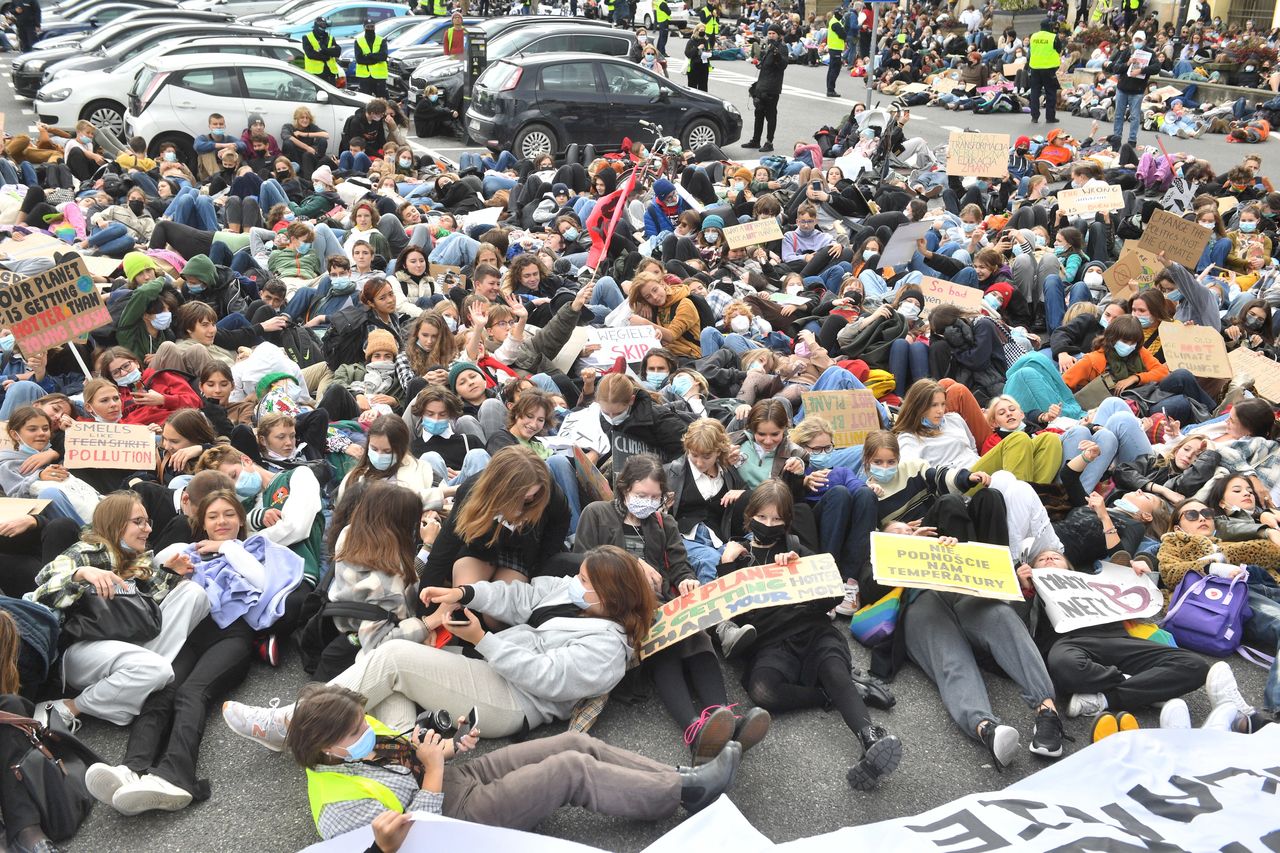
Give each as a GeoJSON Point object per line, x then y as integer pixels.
{"type": "Point", "coordinates": [282, 174]}
{"type": "Point", "coordinates": [136, 206]}
{"type": "Point", "coordinates": [766, 534]}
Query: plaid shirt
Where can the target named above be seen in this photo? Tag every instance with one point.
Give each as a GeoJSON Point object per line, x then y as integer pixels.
{"type": "Point", "coordinates": [337, 818]}
{"type": "Point", "coordinates": [57, 589]}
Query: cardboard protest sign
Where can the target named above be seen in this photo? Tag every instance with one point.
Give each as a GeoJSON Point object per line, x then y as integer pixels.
{"type": "Point", "coordinates": [1181, 240]}
{"type": "Point", "coordinates": [852, 414]}
{"type": "Point", "coordinates": [38, 244]}
{"type": "Point", "coordinates": [593, 484]}
{"type": "Point", "coordinates": [1075, 600]}
{"type": "Point", "coordinates": [980, 155]}
{"type": "Point", "coordinates": [446, 275]}
{"type": "Point", "coordinates": [11, 508]}
{"type": "Point", "coordinates": [902, 245]}
{"type": "Point", "coordinates": [1137, 268]}
{"type": "Point", "coordinates": [943, 85]}
{"type": "Point", "coordinates": [1091, 200]}
{"type": "Point", "coordinates": [1198, 349]}
{"type": "Point", "coordinates": [914, 88]}
{"type": "Point", "coordinates": [968, 568]}
{"type": "Point", "coordinates": [938, 291]}
{"type": "Point", "coordinates": [807, 579]}
{"type": "Point", "coordinates": [126, 447]}
{"type": "Point", "coordinates": [1011, 69]}
{"type": "Point", "coordinates": [630, 342]}
{"type": "Point", "coordinates": [566, 357]}
{"type": "Point", "coordinates": [1226, 204]}
{"type": "Point", "coordinates": [752, 233]}
{"type": "Point", "coordinates": [1264, 372]}
{"type": "Point", "coordinates": [52, 307]}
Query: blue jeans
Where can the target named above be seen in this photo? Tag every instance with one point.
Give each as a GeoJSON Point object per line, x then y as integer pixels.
{"type": "Point", "coordinates": [831, 277]}
{"type": "Point", "coordinates": [1214, 254]}
{"type": "Point", "coordinates": [907, 363]}
{"type": "Point", "coordinates": [490, 184]}
{"type": "Point", "coordinates": [60, 506]}
{"type": "Point", "coordinates": [713, 339]}
{"type": "Point", "coordinates": [1130, 107]}
{"type": "Point", "coordinates": [845, 521]}
{"type": "Point", "coordinates": [1056, 300]}
{"type": "Point", "coordinates": [192, 209]}
{"type": "Point", "coordinates": [605, 296]}
{"type": "Point", "coordinates": [24, 392]}
{"type": "Point", "coordinates": [702, 555]}
{"type": "Point", "coordinates": [357, 163]}
{"type": "Point", "coordinates": [457, 250]}
{"type": "Point", "coordinates": [270, 194]}
{"type": "Point", "coordinates": [1262, 632]}
{"type": "Point", "coordinates": [113, 240]}
{"type": "Point", "coordinates": [326, 243]}
{"type": "Point", "coordinates": [145, 181]}
{"type": "Point", "coordinates": [562, 473]}
{"type": "Point", "coordinates": [582, 207]}
{"type": "Point", "coordinates": [473, 463]}
{"type": "Point", "coordinates": [1183, 385]}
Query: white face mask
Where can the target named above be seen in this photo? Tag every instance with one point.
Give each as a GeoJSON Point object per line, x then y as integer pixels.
{"type": "Point", "coordinates": [740, 323]}
{"type": "Point", "coordinates": [1093, 278]}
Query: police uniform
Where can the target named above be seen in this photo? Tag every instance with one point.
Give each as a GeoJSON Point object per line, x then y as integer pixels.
{"type": "Point", "coordinates": [371, 64]}
{"type": "Point", "coordinates": [1043, 61]}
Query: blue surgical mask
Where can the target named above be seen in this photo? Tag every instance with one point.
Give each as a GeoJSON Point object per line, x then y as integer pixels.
{"type": "Point", "coordinates": [1127, 506]}
{"type": "Point", "coordinates": [381, 461]}
{"type": "Point", "coordinates": [1248, 227]}
{"type": "Point", "coordinates": [195, 288]}
{"type": "Point", "coordinates": [218, 131]}
{"type": "Point", "coordinates": [431, 426]}
{"type": "Point", "coordinates": [928, 424]}
{"type": "Point", "coordinates": [451, 322]}
{"type": "Point", "coordinates": [1104, 322]}
{"type": "Point", "coordinates": [85, 140]}
{"type": "Point", "coordinates": [1019, 250]}
{"type": "Point", "coordinates": [1124, 349]}
{"type": "Point", "coordinates": [1039, 240]}
{"type": "Point", "coordinates": [133, 377]}
{"type": "Point", "coordinates": [968, 227]}
{"type": "Point", "coordinates": [1144, 322]}
{"type": "Point", "coordinates": [1174, 296]}
{"type": "Point", "coordinates": [820, 460]}
{"type": "Point", "coordinates": [1059, 250]}
{"type": "Point", "coordinates": [26, 449]}
{"type": "Point", "coordinates": [170, 157]}
{"type": "Point", "coordinates": [341, 285]}
{"type": "Point", "coordinates": [6, 343]}
{"type": "Point", "coordinates": [304, 247]}
{"type": "Point", "coordinates": [654, 379]}
{"type": "Point", "coordinates": [868, 254]}
{"type": "Point", "coordinates": [318, 187]}
{"type": "Point", "coordinates": [992, 301]}
{"type": "Point", "coordinates": [616, 419]}
{"type": "Point", "coordinates": [982, 186]}
{"type": "Point", "coordinates": [571, 234]}
{"type": "Point", "coordinates": [162, 320]}
{"type": "Point", "coordinates": [433, 98]}
{"type": "Point", "coordinates": [362, 748]}
{"type": "Point", "coordinates": [883, 475]}
{"type": "Point", "coordinates": [578, 593]}
{"type": "Point", "coordinates": [682, 384]}
{"type": "Point", "coordinates": [561, 411]}
{"type": "Point", "coordinates": [248, 484]}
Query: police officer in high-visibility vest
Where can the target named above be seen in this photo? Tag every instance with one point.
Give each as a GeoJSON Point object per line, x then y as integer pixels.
{"type": "Point", "coordinates": [1043, 63]}
{"type": "Point", "coordinates": [1131, 8]}
{"type": "Point", "coordinates": [436, 8]}
{"type": "Point", "coordinates": [662, 14]}
{"type": "Point", "coordinates": [371, 62]}
{"type": "Point", "coordinates": [607, 6]}
{"type": "Point", "coordinates": [709, 15]}
{"type": "Point", "coordinates": [320, 53]}
{"type": "Point", "coordinates": [835, 51]}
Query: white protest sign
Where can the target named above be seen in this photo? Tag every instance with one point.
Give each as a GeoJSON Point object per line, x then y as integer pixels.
{"type": "Point", "coordinates": [629, 342]}
{"type": "Point", "coordinates": [1077, 600]}
{"type": "Point", "coordinates": [902, 245]}
{"type": "Point", "coordinates": [1103, 199]}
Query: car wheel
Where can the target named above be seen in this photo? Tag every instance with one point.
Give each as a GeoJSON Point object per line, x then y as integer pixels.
{"type": "Point", "coordinates": [700, 132]}
{"type": "Point", "coordinates": [185, 145]}
{"type": "Point", "coordinates": [105, 114]}
{"type": "Point", "coordinates": [535, 139]}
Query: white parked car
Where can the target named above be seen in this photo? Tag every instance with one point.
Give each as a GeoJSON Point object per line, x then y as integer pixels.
{"type": "Point", "coordinates": [172, 97]}
{"type": "Point", "coordinates": [102, 96]}
{"type": "Point", "coordinates": [679, 19]}
{"type": "Point", "coordinates": [236, 8]}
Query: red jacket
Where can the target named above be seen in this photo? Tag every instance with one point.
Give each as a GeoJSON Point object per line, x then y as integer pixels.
{"type": "Point", "coordinates": [177, 391]}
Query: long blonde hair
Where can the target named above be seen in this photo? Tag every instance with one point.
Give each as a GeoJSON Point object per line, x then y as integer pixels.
{"type": "Point", "coordinates": [500, 490]}
{"type": "Point", "coordinates": [110, 518]}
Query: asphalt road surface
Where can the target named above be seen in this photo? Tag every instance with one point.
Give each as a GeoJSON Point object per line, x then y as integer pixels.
{"type": "Point", "coordinates": [791, 786]}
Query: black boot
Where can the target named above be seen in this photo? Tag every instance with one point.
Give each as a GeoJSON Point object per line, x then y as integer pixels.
{"type": "Point", "coordinates": [874, 692]}
{"type": "Point", "coordinates": [751, 143]}
{"type": "Point", "coordinates": [767, 147]}
{"type": "Point", "coordinates": [701, 786]}
{"type": "Point", "coordinates": [881, 754]}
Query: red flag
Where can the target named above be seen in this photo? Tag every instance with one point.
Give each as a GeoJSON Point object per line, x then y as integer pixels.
{"type": "Point", "coordinates": [600, 246]}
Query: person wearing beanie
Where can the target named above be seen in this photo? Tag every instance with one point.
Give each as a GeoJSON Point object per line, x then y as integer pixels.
{"type": "Point", "coordinates": [375, 383]}
{"type": "Point", "coordinates": [139, 268]}
{"type": "Point", "coordinates": [214, 285]}
{"type": "Point", "coordinates": [323, 175]}
{"type": "Point", "coordinates": [767, 89]}
{"type": "Point", "coordinates": [661, 214]}
{"type": "Point", "coordinates": [1020, 164]}
{"type": "Point", "coordinates": [471, 385]}
{"type": "Point", "coordinates": [710, 240]}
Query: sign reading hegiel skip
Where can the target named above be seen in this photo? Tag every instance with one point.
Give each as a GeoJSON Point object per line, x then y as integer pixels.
{"type": "Point", "coordinates": [807, 579]}
{"type": "Point", "coordinates": [632, 343]}
{"type": "Point", "coordinates": [852, 414]}
{"type": "Point", "coordinates": [52, 307]}
{"type": "Point", "coordinates": [752, 233]}
{"type": "Point", "coordinates": [127, 447]}
{"type": "Point", "coordinates": [1076, 600]}
{"type": "Point", "coordinates": [979, 155]}
{"type": "Point", "coordinates": [969, 568]}
{"type": "Point", "coordinates": [1196, 348]}
{"type": "Point", "coordinates": [1181, 240]}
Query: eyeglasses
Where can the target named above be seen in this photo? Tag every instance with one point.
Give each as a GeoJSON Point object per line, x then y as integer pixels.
{"type": "Point", "coordinates": [1196, 515]}
{"type": "Point", "coordinates": [140, 522]}
{"type": "Point", "coordinates": [124, 370]}
{"type": "Point", "coordinates": [506, 323]}
{"type": "Point", "coordinates": [827, 449]}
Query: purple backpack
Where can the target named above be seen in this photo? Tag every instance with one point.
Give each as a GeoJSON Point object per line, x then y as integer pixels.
{"type": "Point", "coordinates": [1207, 613]}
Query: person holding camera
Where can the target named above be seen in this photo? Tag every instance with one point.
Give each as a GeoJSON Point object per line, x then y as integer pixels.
{"type": "Point", "coordinates": [768, 88]}
{"type": "Point", "coordinates": [362, 772]}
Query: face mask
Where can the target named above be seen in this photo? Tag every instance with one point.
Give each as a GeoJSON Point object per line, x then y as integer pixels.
{"type": "Point", "coordinates": [381, 366]}
{"type": "Point", "coordinates": [1208, 225]}
{"type": "Point", "coordinates": [1174, 296]}
{"type": "Point", "coordinates": [451, 322]}
{"type": "Point", "coordinates": [682, 384]}
{"type": "Point", "coordinates": [740, 323]}
{"type": "Point", "coordinates": [642, 508]}
{"type": "Point", "coordinates": [765, 534]}
{"type": "Point", "coordinates": [1059, 250]}
{"type": "Point", "coordinates": [1248, 227]}
{"type": "Point", "coordinates": [712, 237]}
{"type": "Point", "coordinates": [616, 419]}
{"type": "Point", "coordinates": [755, 367]}
{"type": "Point", "coordinates": [571, 234]}
{"type": "Point", "coordinates": [162, 320]}
{"type": "Point", "coordinates": [431, 426]}
{"type": "Point", "coordinates": [289, 217]}
{"type": "Point", "coordinates": [1127, 507]}
{"type": "Point", "coordinates": [26, 449]}
{"type": "Point", "coordinates": [578, 593]}
{"type": "Point", "coordinates": [362, 748]}
{"type": "Point", "coordinates": [170, 157]}
{"type": "Point", "coordinates": [304, 247]}
{"type": "Point", "coordinates": [137, 207]}
{"type": "Point", "coordinates": [1251, 323]}
{"type": "Point", "coordinates": [820, 460]}
{"type": "Point", "coordinates": [909, 310]}
{"type": "Point", "coordinates": [561, 411]}
{"type": "Point", "coordinates": [6, 343]}
{"type": "Point", "coordinates": [341, 285]}
{"type": "Point", "coordinates": [1124, 349]}
{"type": "Point", "coordinates": [404, 164]}
{"type": "Point", "coordinates": [992, 301]}
{"type": "Point", "coordinates": [218, 131]}
{"type": "Point", "coordinates": [654, 380]}
{"type": "Point", "coordinates": [381, 461]}
{"type": "Point", "coordinates": [1093, 278]}
{"type": "Point", "coordinates": [883, 475]}
{"type": "Point", "coordinates": [1039, 241]}
{"type": "Point", "coordinates": [802, 350]}
{"type": "Point", "coordinates": [1104, 322]}
{"type": "Point", "coordinates": [248, 484]}
{"type": "Point", "coordinates": [433, 98]}
{"type": "Point", "coordinates": [928, 424]}
{"type": "Point", "coordinates": [806, 229]}
{"type": "Point", "coordinates": [294, 390]}
{"type": "Point", "coordinates": [318, 187]}
{"type": "Point", "coordinates": [739, 186]}
{"type": "Point", "coordinates": [85, 140]}
{"type": "Point", "coordinates": [968, 227]}
{"type": "Point", "coordinates": [868, 254]}
{"type": "Point", "coordinates": [1144, 322]}
{"type": "Point", "coordinates": [982, 186]}
{"type": "Point", "coordinates": [133, 377]}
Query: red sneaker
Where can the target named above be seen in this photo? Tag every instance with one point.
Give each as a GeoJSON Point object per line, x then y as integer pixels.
{"type": "Point", "coordinates": [269, 650]}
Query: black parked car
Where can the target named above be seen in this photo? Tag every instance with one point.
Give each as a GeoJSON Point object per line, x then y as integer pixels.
{"type": "Point", "coordinates": [530, 104]}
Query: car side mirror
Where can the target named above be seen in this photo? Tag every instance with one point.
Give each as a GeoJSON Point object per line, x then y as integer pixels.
{"type": "Point", "coordinates": [322, 97]}
{"type": "Point", "coordinates": [662, 97]}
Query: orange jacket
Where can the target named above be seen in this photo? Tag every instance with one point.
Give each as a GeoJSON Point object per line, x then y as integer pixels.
{"type": "Point", "coordinates": [1094, 364]}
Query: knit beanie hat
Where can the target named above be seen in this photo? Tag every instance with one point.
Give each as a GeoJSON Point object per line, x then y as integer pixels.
{"type": "Point", "coordinates": [663, 188]}
{"type": "Point", "coordinates": [323, 175]}
{"type": "Point", "coordinates": [136, 262]}
{"type": "Point", "coordinates": [712, 221]}
{"type": "Point", "coordinates": [265, 383]}
{"type": "Point", "coordinates": [200, 267]}
{"type": "Point", "coordinates": [559, 189]}
{"type": "Point", "coordinates": [380, 340]}
{"type": "Point", "coordinates": [459, 368]}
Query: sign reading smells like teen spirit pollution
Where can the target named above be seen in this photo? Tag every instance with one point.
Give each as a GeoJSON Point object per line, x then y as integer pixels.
{"type": "Point", "coordinates": [852, 414]}
{"type": "Point", "coordinates": [127, 447]}
{"type": "Point", "coordinates": [807, 579]}
{"type": "Point", "coordinates": [51, 308]}
{"type": "Point", "coordinates": [968, 568]}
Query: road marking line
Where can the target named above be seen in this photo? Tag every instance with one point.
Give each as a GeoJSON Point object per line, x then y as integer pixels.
{"type": "Point", "coordinates": [27, 112]}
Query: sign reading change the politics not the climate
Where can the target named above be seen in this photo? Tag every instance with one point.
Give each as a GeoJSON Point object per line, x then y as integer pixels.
{"type": "Point", "coordinates": [807, 579]}
{"type": "Point", "coordinates": [1076, 600]}
{"type": "Point", "coordinates": [969, 568]}
{"type": "Point", "coordinates": [53, 307]}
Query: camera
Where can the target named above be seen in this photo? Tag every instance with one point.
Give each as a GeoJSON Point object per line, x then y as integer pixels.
{"type": "Point", "coordinates": [439, 721]}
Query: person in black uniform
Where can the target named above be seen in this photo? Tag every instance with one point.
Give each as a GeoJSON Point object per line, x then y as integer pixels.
{"type": "Point", "coordinates": [26, 17]}
{"type": "Point", "coordinates": [768, 88]}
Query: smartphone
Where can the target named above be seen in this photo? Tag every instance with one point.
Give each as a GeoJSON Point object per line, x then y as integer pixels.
{"type": "Point", "coordinates": [458, 617]}
{"type": "Point", "coordinates": [464, 727]}
{"type": "Point", "coordinates": [815, 185]}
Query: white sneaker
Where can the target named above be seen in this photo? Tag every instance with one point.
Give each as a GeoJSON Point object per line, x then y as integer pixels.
{"type": "Point", "coordinates": [268, 726]}
{"type": "Point", "coordinates": [850, 605]}
{"type": "Point", "coordinates": [1222, 718]}
{"type": "Point", "coordinates": [1175, 715]}
{"type": "Point", "coordinates": [45, 710]}
{"type": "Point", "coordinates": [103, 781]}
{"type": "Point", "coordinates": [1221, 686]}
{"type": "Point", "coordinates": [1086, 705]}
{"type": "Point", "coordinates": [150, 793]}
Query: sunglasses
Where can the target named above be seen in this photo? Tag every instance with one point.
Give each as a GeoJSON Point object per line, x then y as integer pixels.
{"type": "Point", "coordinates": [1197, 515]}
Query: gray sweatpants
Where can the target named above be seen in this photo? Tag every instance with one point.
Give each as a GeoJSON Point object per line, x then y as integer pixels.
{"type": "Point", "coordinates": [118, 677]}
{"type": "Point", "coordinates": [943, 631]}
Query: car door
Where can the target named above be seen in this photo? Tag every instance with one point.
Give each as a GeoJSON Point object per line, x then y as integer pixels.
{"type": "Point", "coordinates": [196, 92]}
{"type": "Point", "coordinates": [602, 43]}
{"type": "Point", "coordinates": [571, 92]}
{"type": "Point", "coordinates": [276, 93]}
{"type": "Point", "coordinates": [632, 95]}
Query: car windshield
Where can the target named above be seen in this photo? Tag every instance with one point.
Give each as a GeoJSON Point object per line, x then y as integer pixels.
{"type": "Point", "coordinates": [411, 35]}
{"type": "Point", "coordinates": [507, 43]}
{"type": "Point", "coordinates": [497, 75]}
{"type": "Point", "coordinates": [307, 13]}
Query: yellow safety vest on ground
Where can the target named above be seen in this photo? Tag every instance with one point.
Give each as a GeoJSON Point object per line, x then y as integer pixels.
{"type": "Point", "coordinates": [378, 70]}
{"type": "Point", "coordinates": [327, 787]}
{"type": "Point", "coordinates": [1042, 53]}
{"type": "Point", "coordinates": [834, 42]}
{"type": "Point", "coordinates": [315, 66]}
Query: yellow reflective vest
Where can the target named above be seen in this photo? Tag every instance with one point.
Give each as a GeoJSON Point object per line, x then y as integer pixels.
{"type": "Point", "coordinates": [710, 22]}
{"type": "Point", "coordinates": [325, 787]}
{"type": "Point", "coordinates": [1043, 55]}
{"type": "Point", "coordinates": [376, 71]}
{"type": "Point", "coordinates": [834, 42]}
{"type": "Point", "coordinates": [315, 66]}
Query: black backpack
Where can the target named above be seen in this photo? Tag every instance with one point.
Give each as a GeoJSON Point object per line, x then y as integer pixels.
{"type": "Point", "coordinates": [317, 616]}
{"type": "Point", "coordinates": [344, 342]}
{"type": "Point", "coordinates": [300, 344]}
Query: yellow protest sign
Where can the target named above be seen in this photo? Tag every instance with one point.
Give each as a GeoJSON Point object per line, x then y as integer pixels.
{"type": "Point", "coordinates": [939, 291]}
{"type": "Point", "coordinates": [1136, 269]}
{"type": "Point", "coordinates": [53, 307]}
{"type": "Point", "coordinates": [1264, 372]}
{"type": "Point", "coordinates": [852, 414]}
{"type": "Point", "coordinates": [127, 447]}
{"type": "Point", "coordinates": [752, 233]}
{"type": "Point", "coordinates": [1182, 241]}
{"type": "Point", "coordinates": [1091, 200]}
{"type": "Point", "coordinates": [969, 568]}
{"type": "Point", "coordinates": [807, 579]}
{"type": "Point", "coordinates": [980, 155]}
{"type": "Point", "coordinates": [1198, 349]}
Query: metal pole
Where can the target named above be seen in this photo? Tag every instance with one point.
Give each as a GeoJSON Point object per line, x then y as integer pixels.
{"type": "Point", "coordinates": [875, 35]}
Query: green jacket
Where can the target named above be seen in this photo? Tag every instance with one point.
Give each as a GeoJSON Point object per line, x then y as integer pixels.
{"type": "Point", "coordinates": [287, 262]}
{"type": "Point", "coordinates": [131, 329]}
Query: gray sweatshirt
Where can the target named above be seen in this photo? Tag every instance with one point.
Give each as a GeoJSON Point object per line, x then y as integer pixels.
{"type": "Point", "coordinates": [552, 666]}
